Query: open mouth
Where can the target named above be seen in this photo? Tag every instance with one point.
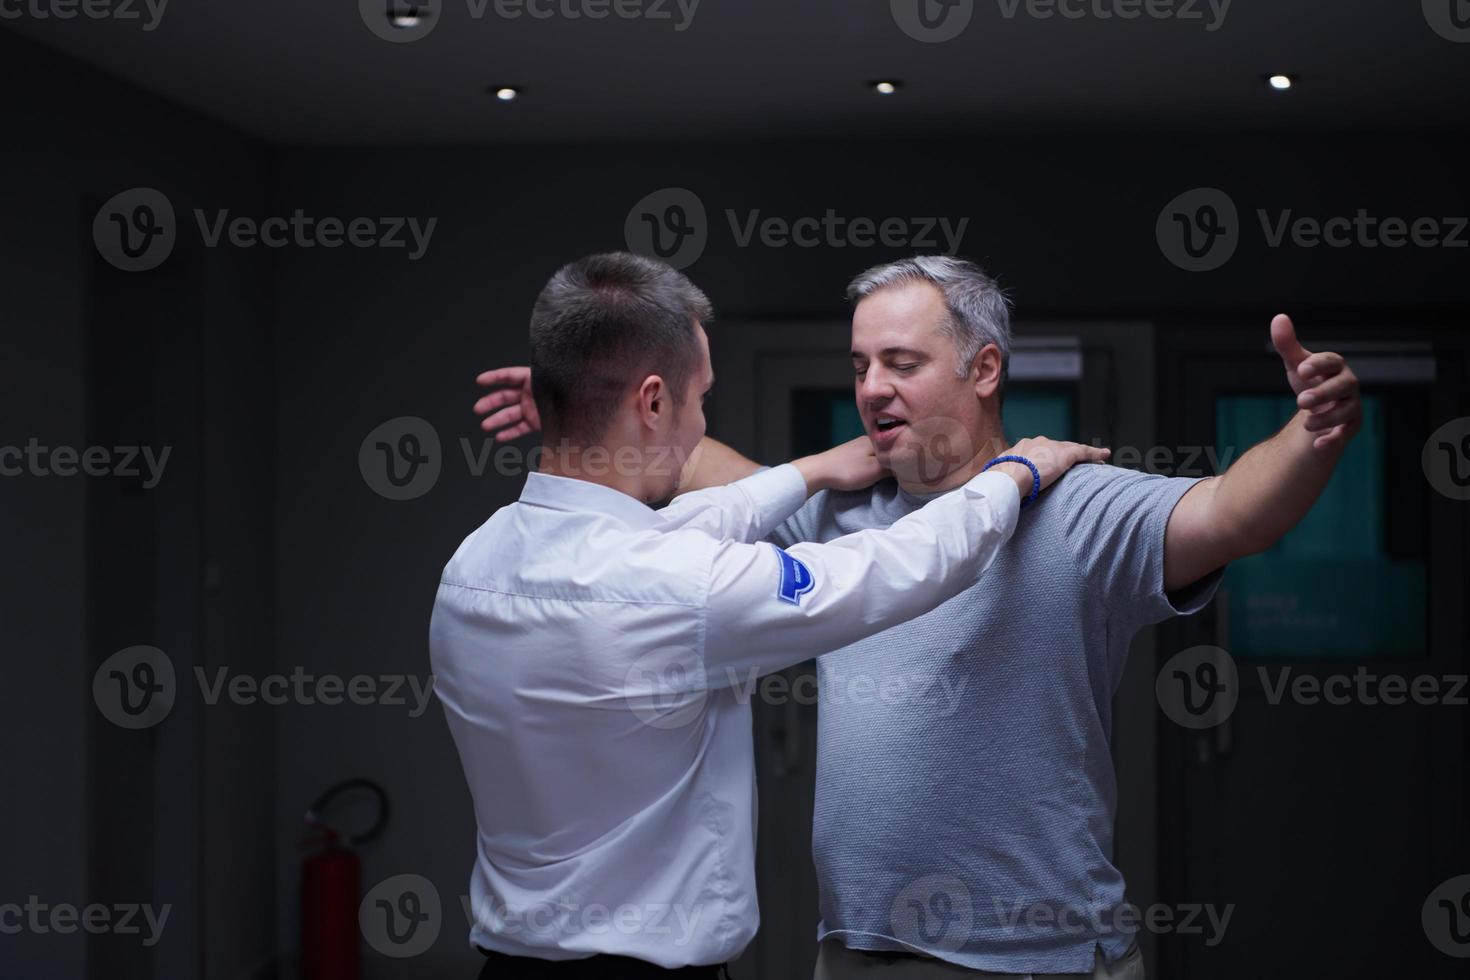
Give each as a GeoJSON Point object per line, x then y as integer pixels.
{"type": "Point", "coordinates": [887, 426]}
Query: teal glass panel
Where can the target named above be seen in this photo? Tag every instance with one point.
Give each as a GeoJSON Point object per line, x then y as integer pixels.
{"type": "Point", "coordinates": [1040, 410]}
{"type": "Point", "coordinates": [1330, 588]}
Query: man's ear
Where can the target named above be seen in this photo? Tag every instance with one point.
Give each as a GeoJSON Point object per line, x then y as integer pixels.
{"type": "Point", "coordinates": [986, 371]}
{"type": "Point", "coordinates": [653, 400]}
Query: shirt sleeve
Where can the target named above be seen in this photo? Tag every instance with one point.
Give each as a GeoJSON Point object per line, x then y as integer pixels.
{"type": "Point", "coordinates": [1120, 536]}
{"type": "Point", "coordinates": [769, 608]}
{"type": "Point", "coordinates": [746, 510]}
{"type": "Point", "coordinates": [805, 524]}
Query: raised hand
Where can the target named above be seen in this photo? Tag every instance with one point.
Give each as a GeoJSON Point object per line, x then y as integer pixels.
{"type": "Point", "coordinates": [852, 465]}
{"type": "Point", "coordinates": [1325, 387]}
{"type": "Point", "coordinates": [1052, 459]}
{"type": "Point", "coordinates": [510, 411]}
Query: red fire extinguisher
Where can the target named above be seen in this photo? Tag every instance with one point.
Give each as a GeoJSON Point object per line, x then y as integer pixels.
{"type": "Point", "coordinates": [331, 888]}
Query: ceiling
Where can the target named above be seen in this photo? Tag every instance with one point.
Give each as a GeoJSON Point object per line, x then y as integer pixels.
{"type": "Point", "coordinates": [315, 72]}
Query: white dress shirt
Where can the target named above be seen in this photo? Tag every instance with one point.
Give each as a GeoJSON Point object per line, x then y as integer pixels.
{"type": "Point", "coordinates": [593, 657]}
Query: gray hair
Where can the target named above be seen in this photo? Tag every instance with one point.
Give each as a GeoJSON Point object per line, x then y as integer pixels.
{"type": "Point", "coordinates": [979, 310]}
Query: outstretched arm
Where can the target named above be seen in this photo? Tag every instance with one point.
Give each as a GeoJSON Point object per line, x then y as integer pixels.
{"type": "Point", "coordinates": [714, 464]}
{"type": "Point", "coordinates": [510, 412]}
{"type": "Point", "coordinates": [1267, 491]}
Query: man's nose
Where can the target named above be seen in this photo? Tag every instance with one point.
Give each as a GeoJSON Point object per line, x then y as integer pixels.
{"type": "Point", "coordinates": [876, 387]}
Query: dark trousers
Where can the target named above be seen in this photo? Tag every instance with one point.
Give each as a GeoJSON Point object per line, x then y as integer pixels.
{"type": "Point", "coordinates": [499, 966]}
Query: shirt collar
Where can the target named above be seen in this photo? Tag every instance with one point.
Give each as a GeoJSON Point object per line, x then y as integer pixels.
{"type": "Point", "coordinates": [569, 494]}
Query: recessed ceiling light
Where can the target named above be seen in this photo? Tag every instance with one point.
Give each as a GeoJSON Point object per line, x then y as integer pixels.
{"type": "Point", "coordinates": [404, 19]}
{"type": "Point", "coordinates": [1281, 82]}
{"type": "Point", "coordinates": [507, 93]}
{"type": "Point", "coordinates": [886, 87]}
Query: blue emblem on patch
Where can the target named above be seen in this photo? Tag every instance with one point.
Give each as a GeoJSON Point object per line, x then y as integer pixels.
{"type": "Point", "coordinates": [796, 578]}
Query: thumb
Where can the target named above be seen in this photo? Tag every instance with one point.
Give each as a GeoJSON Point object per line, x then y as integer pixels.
{"type": "Point", "coordinates": [1283, 338]}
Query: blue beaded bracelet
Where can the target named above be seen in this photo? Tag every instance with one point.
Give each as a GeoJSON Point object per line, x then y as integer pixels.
{"type": "Point", "coordinates": [1035, 474]}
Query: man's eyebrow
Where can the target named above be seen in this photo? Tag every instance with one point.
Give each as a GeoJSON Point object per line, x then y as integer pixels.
{"type": "Point", "coordinates": [891, 352]}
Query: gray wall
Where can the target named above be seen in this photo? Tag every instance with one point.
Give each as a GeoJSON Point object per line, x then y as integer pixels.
{"type": "Point", "coordinates": [72, 139]}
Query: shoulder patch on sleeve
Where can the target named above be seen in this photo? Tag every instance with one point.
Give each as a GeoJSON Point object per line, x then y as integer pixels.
{"type": "Point", "coordinates": [796, 578]}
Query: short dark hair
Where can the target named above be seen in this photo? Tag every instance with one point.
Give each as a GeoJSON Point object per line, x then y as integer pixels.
{"type": "Point", "coordinates": [601, 325]}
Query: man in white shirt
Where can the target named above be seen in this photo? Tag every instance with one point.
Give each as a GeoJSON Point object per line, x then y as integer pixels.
{"type": "Point", "coordinates": [587, 647]}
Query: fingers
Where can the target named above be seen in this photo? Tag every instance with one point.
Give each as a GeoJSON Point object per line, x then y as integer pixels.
{"type": "Point", "coordinates": [1043, 452]}
{"type": "Point", "coordinates": [497, 399]}
{"type": "Point", "coordinates": [1342, 413]}
{"type": "Point", "coordinates": [1335, 388]}
{"type": "Point", "coordinates": [1283, 338]}
{"type": "Point", "coordinates": [517, 375]}
{"type": "Point", "coordinates": [1323, 365]}
{"type": "Point", "coordinates": [1336, 437]}
{"type": "Point", "coordinates": [502, 418]}
{"type": "Point", "coordinates": [514, 432]}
